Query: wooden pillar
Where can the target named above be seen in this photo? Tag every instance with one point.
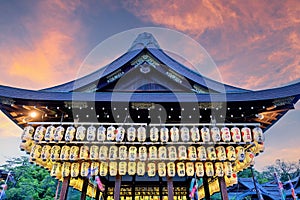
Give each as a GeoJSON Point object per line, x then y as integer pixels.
{"type": "Point", "coordinates": [117, 187]}
{"type": "Point", "coordinates": [97, 193]}
{"type": "Point", "coordinates": [223, 188]}
{"type": "Point", "coordinates": [64, 188]}
{"type": "Point", "coordinates": [206, 188]}
{"type": "Point", "coordinates": [84, 188]}
{"type": "Point", "coordinates": [160, 188]}
{"type": "Point", "coordinates": [170, 188]}
{"type": "Point", "coordinates": [133, 187]}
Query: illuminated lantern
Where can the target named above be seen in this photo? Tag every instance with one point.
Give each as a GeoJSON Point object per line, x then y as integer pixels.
{"type": "Point", "coordinates": [65, 171]}
{"type": "Point", "coordinates": [94, 152]}
{"type": "Point", "coordinates": [209, 169]}
{"type": "Point", "coordinates": [258, 135]}
{"type": "Point", "coordinates": [152, 153]}
{"type": "Point", "coordinates": [231, 155]}
{"type": "Point", "coordinates": [172, 152]}
{"type": "Point", "coordinates": [56, 168]}
{"type": "Point", "coordinates": [94, 168]}
{"type": "Point", "coordinates": [185, 134]}
{"type": "Point", "coordinates": [75, 169]}
{"type": "Point", "coordinates": [45, 155]}
{"type": "Point", "coordinates": [122, 168]}
{"type": "Point", "coordinates": [192, 153]}
{"type": "Point", "coordinates": [219, 169]}
{"type": "Point", "coordinates": [161, 169]}
{"type": "Point", "coordinates": [240, 152]}
{"type": "Point", "coordinates": [91, 133]}
{"type": "Point", "coordinates": [199, 169]}
{"type": "Point", "coordinates": [123, 153]}
{"type": "Point", "coordinates": [27, 133]}
{"type": "Point", "coordinates": [221, 153]}
{"type": "Point", "coordinates": [65, 152]}
{"type": "Point", "coordinates": [103, 152]}
{"type": "Point", "coordinates": [70, 134]}
{"type": "Point", "coordinates": [59, 133]}
{"type": "Point", "coordinates": [39, 133]}
{"type": "Point", "coordinates": [84, 152]}
{"type": "Point", "coordinates": [111, 133]}
{"type": "Point", "coordinates": [55, 151]}
{"type": "Point", "coordinates": [195, 135]}
{"type": "Point", "coordinates": [182, 155]}
{"type": "Point", "coordinates": [162, 153]}
{"type": "Point", "coordinates": [180, 169]}
{"type": "Point", "coordinates": [113, 168]}
{"type": "Point", "coordinates": [132, 153]}
{"type": "Point", "coordinates": [202, 153]}
{"type": "Point", "coordinates": [141, 134]}
{"type": "Point", "coordinates": [174, 131]}
{"type": "Point", "coordinates": [120, 134]}
{"type": "Point", "coordinates": [211, 153]}
{"type": "Point", "coordinates": [164, 134]}
{"type": "Point", "coordinates": [131, 168]}
{"type": "Point", "coordinates": [171, 169]}
{"type": "Point", "coordinates": [235, 134]}
{"type": "Point", "coordinates": [205, 134]}
{"type": "Point", "coordinates": [142, 153]}
{"type": "Point", "coordinates": [35, 152]}
{"type": "Point", "coordinates": [249, 158]}
{"type": "Point", "coordinates": [101, 134]}
{"type": "Point", "coordinates": [246, 134]}
{"type": "Point", "coordinates": [26, 146]}
{"type": "Point", "coordinates": [140, 168]}
{"type": "Point", "coordinates": [74, 153]}
{"type": "Point", "coordinates": [154, 134]}
{"type": "Point", "coordinates": [113, 153]}
{"type": "Point", "coordinates": [190, 170]}
{"type": "Point", "coordinates": [49, 135]}
{"type": "Point", "coordinates": [227, 169]}
{"type": "Point", "coordinates": [131, 134]}
{"type": "Point", "coordinates": [103, 169]}
{"type": "Point", "coordinates": [225, 134]}
{"type": "Point", "coordinates": [215, 134]}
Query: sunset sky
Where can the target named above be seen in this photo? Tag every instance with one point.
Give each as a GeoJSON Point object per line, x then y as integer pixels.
{"type": "Point", "coordinates": [255, 44]}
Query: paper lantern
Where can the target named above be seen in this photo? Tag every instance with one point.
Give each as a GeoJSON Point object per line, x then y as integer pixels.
{"type": "Point", "coordinates": [211, 153]}
{"type": "Point", "coordinates": [246, 134]}
{"type": "Point", "coordinates": [192, 153]}
{"type": "Point", "coordinates": [75, 169]}
{"type": "Point", "coordinates": [227, 169]}
{"type": "Point", "coordinates": [182, 155]}
{"type": "Point", "coordinates": [111, 133]}
{"type": "Point", "coordinates": [65, 169]}
{"type": "Point", "coordinates": [84, 152]}
{"type": "Point", "coordinates": [171, 169]}
{"type": "Point", "coordinates": [225, 134]}
{"type": "Point", "coordinates": [94, 152]}
{"type": "Point", "coordinates": [56, 169]}
{"type": "Point", "coordinates": [205, 134]}
{"type": "Point", "coordinates": [164, 134]}
{"type": "Point", "coordinates": [195, 134]}
{"type": "Point", "coordinates": [141, 134]}
{"type": "Point", "coordinates": [185, 134]}
{"type": "Point", "coordinates": [65, 152]}
{"type": "Point", "coordinates": [235, 134]}
{"type": "Point", "coordinates": [113, 168]}
{"type": "Point", "coordinates": [91, 133]}
{"type": "Point", "coordinates": [26, 146]}
{"type": "Point", "coordinates": [161, 169]}
{"type": "Point", "coordinates": [94, 168]}
{"type": "Point", "coordinates": [103, 169]}
{"type": "Point", "coordinates": [215, 134]}
{"type": "Point", "coordinates": [209, 169]}
{"type": "Point", "coordinates": [190, 170]}
{"type": "Point", "coordinates": [103, 153]}
{"type": "Point", "coordinates": [162, 153]}
{"type": "Point", "coordinates": [140, 168]}
{"type": "Point", "coordinates": [70, 134]}
{"type": "Point", "coordinates": [120, 134]}
{"type": "Point", "coordinates": [113, 152]}
{"type": "Point", "coordinates": [219, 169]}
{"type": "Point", "coordinates": [45, 155]}
{"type": "Point", "coordinates": [27, 133]}
{"type": "Point", "coordinates": [172, 153]}
{"type": "Point", "coordinates": [74, 152]}
{"type": "Point", "coordinates": [132, 153]}
{"type": "Point", "coordinates": [55, 151]}
{"type": "Point", "coordinates": [39, 133]}
{"type": "Point", "coordinates": [80, 133]}
{"type": "Point", "coordinates": [249, 157]}
{"type": "Point", "coordinates": [240, 152]}
{"type": "Point", "coordinates": [180, 169]}
{"type": "Point", "coordinates": [58, 133]}
{"type": "Point", "coordinates": [123, 153]}
{"type": "Point", "coordinates": [174, 131]}
{"type": "Point", "coordinates": [142, 153]}
{"type": "Point", "coordinates": [49, 135]}
{"type": "Point", "coordinates": [35, 152]}
{"type": "Point", "coordinates": [202, 153]}
{"type": "Point", "coordinates": [258, 135]}
{"type": "Point", "coordinates": [131, 168]}
{"type": "Point", "coordinates": [122, 168]}
{"type": "Point", "coordinates": [231, 155]}
{"type": "Point", "coordinates": [199, 169]}
{"type": "Point", "coordinates": [131, 134]}
{"type": "Point", "coordinates": [101, 134]}
{"type": "Point", "coordinates": [152, 153]}
{"type": "Point", "coordinates": [221, 153]}
{"type": "Point", "coordinates": [151, 169]}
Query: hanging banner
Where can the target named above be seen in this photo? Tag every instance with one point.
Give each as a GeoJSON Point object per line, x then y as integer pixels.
{"type": "Point", "coordinates": [39, 133]}
{"type": "Point", "coordinates": [221, 153]}
{"type": "Point", "coordinates": [199, 169]}
{"type": "Point", "coordinates": [154, 134]}
{"type": "Point", "coordinates": [209, 169]}
{"type": "Point", "coordinates": [172, 151]}
{"type": "Point", "coordinates": [141, 168]}
{"type": "Point", "coordinates": [111, 133]}
{"type": "Point", "coordinates": [131, 168]}
{"type": "Point", "coordinates": [215, 134]}
{"type": "Point", "coordinates": [192, 153]}
{"type": "Point", "coordinates": [65, 171]}
{"type": "Point", "coordinates": [45, 154]}
{"type": "Point", "coordinates": [103, 169]}
{"type": "Point", "coordinates": [91, 133]}
{"type": "Point", "coordinates": [84, 152]}
{"type": "Point", "coordinates": [190, 170]}
{"type": "Point", "coordinates": [164, 134]}
{"type": "Point", "coordinates": [211, 153]}
{"type": "Point", "coordinates": [185, 134]}
{"type": "Point", "coordinates": [152, 153]}
{"type": "Point", "coordinates": [235, 134]}
{"type": "Point", "coordinates": [122, 168]}
{"type": "Point", "coordinates": [84, 171]}
{"type": "Point", "coordinates": [94, 152]}
{"type": "Point", "coordinates": [174, 131]}
{"type": "Point", "coordinates": [103, 153]}
{"type": "Point", "coordinates": [131, 134]}
{"type": "Point", "coordinates": [65, 153]}
{"type": "Point", "coordinates": [120, 134]}
{"type": "Point", "coordinates": [142, 153]}
{"type": "Point", "coordinates": [219, 169]}
{"type": "Point", "coordinates": [74, 153]}
{"type": "Point", "coordinates": [101, 134]}
{"type": "Point", "coordinates": [161, 169]}
{"type": "Point", "coordinates": [123, 153]}
{"type": "Point", "coordinates": [80, 133]}
{"type": "Point", "coordinates": [231, 155]}
{"type": "Point", "coordinates": [162, 153]}
{"type": "Point", "coordinates": [75, 170]}
{"type": "Point", "coordinates": [246, 134]}
{"type": "Point", "coordinates": [49, 135]}
{"type": "Point", "coordinates": [171, 169]}
{"type": "Point", "coordinates": [182, 155]}
{"type": "Point", "coordinates": [180, 169]}
{"type": "Point", "coordinates": [151, 169]}
{"type": "Point", "coordinates": [202, 153]}
{"type": "Point", "coordinates": [113, 168]}
{"type": "Point", "coordinates": [195, 134]}
{"type": "Point", "coordinates": [205, 134]}
{"type": "Point", "coordinates": [141, 134]}
{"type": "Point", "coordinates": [113, 153]}
{"type": "Point", "coordinates": [132, 153]}
{"type": "Point", "coordinates": [225, 134]}
{"type": "Point", "coordinates": [55, 151]}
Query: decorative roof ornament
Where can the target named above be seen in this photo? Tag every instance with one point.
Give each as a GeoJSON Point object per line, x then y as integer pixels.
{"type": "Point", "coordinates": [144, 40]}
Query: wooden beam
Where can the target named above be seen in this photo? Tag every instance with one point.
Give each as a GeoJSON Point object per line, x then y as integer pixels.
{"type": "Point", "coordinates": [223, 188]}
{"type": "Point", "coordinates": [117, 187]}
{"type": "Point", "coordinates": [64, 188]}
{"type": "Point", "coordinates": [170, 188]}
{"type": "Point", "coordinates": [84, 188]}
{"type": "Point", "coordinates": [206, 188]}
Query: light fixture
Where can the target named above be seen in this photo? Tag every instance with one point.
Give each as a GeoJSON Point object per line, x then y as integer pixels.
{"type": "Point", "coordinates": [33, 114]}
{"type": "Point", "coordinates": [259, 116]}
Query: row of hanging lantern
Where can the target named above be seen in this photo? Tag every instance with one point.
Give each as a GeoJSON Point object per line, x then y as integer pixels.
{"type": "Point", "coordinates": [119, 134]}
{"type": "Point", "coordinates": [142, 153]}
{"type": "Point", "coordinates": [152, 169]}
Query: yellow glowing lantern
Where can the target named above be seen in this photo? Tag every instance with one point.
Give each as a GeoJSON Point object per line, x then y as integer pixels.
{"type": "Point", "coordinates": [65, 152]}
{"type": "Point", "coordinates": [202, 153]}
{"type": "Point", "coordinates": [65, 171]}
{"type": "Point", "coordinates": [141, 168]}
{"type": "Point", "coordinates": [27, 133]}
{"type": "Point", "coordinates": [123, 153]}
{"type": "Point", "coordinates": [215, 134]}
{"type": "Point", "coordinates": [101, 134]}
{"type": "Point", "coordinates": [195, 134]}
{"type": "Point", "coordinates": [59, 133]}
{"type": "Point", "coordinates": [205, 134]}
{"type": "Point", "coordinates": [174, 131]}
{"type": "Point", "coordinates": [120, 134]}
{"type": "Point", "coordinates": [221, 153]}
{"type": "Point", "coordinates": [211, 153]}
{"type": "Point", "coordinates": [162, 153]}
{"type": "Point", "coordinates": [199, 169]}
{"type": "Point", "coordinates": [164, 134]}
{"type": "Point", "coordinates": [180, 169]}
{"type": "Point", "coordinates": [94, 152]}
{"type": "Point", "coordinates": [227, 169]}
{"type": "Point", "coordinates": [84, 171]}
{"type": "Point", "coordinates": [219, 171]}
{"type": "Point", "coordinates": [113, 168]}
{"type": "Point", "coordinates": [113, 152]}
{"type": "Point", "coordinates": [235, 134]}
{"type": "Point", "coordinates": [141, 134]}
{"type": "Point", "coordinates": [161, 169]}
{"type": "Point", "coordinates": [70, 134]}
{"type": "Point", "coordinates": [246, 134]}
{"type": "Point", "coordinates": [103, 153]}
{"type": "Point", "coordinates": [94, 168]}
{"type": "Point", "coordinates": [190, 170]}
{"type": "Point", "coordinates": [240, 152]}
{"type": "Point", "coordinates": [39, 133]}
{"type": "Point", "coordinates": [45, 155]}
{"type": "Point", "coordinates": [35, 152]}
{"type": "Point", "coordinates": [209, 169]}
{"type": "Point", "coordinates": [171, 169]}
{"type": "Point", "coordinates": [172, 152]}
{"type": "Point", "coordinates": [142, 153]}
{"type": "Point", "coordinates": [56, 169]}
{"type": "Point", "coordinates": [225, 134]}
{"type": "Point", "coordinates": [132, 153]}
{"type": "Point", "coordinates": [122, 168]}
{"type": "Point", "coordinates": [131, 168]}
{"type": "Point", "coordinates": [192, 153]}
{"type": "Point", "coordinates": [84, 152]}
{"type": "Point", "coordinates": [185, 134]}
{"type": "Point", "coordinates": [55, 151]}
{"type": "Point", "coordinates": [91, 133]}
{"type": "Point", "coordinates": [74, 153]}
{"type": "Point", "coordinates": [75, 169]}
{"type": "Point", "coordinates": [231, 155]}
{"type": "Point", "coordinates": [152, 153]}
{"type": "Point", "coordinates": [49, 135]}
{"type": "Point", "coordinates": [111, 133]}
{"type": "Point", "coordinates": [131, 134]}
{"type": "Point", "coordinates": [103, 169]}
{"type": "Point", "coordinates": [182, 155]}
